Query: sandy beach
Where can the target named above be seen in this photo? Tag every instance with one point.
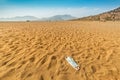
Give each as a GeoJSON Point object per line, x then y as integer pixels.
{"type": "Point", "coordinates": [37, 50]}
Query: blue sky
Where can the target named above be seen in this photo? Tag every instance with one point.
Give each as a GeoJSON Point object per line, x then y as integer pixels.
{"type": "Point", "coordinates": [46, 8]}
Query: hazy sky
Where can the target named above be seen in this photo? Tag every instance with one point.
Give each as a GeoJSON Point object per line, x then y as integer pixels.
{"type": "Point", "coordinates": [46, 8]}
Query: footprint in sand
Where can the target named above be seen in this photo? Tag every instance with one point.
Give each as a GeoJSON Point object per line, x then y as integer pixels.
{"type": "Point", "coordinates": [32, 59]}
{"type": "Point", "coordinates": [63, 68]}
{"type": "Point", "coordinates": [41, 78]}
{"type": "Point", "coordinates": [53, 62]}
{"type": "Point", "coordinates": [12, 64]}
{"type": "Point", "coordinates": [25, 75]}
{"type": "Point", "coordinates": [41, 61]}
{"type": "Point", "coordinates": [4, 63]}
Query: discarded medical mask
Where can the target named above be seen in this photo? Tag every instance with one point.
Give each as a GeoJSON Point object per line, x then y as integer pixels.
{"type": "Point", "coordinates": [72, 63]}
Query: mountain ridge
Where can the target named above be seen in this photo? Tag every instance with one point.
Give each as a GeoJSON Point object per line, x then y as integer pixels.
{"type": "Point", "coordinates": [32, 18]}
{"type": "Point", "coordinates": [112, 15]}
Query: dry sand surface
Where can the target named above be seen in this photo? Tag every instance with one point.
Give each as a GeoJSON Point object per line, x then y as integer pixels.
{"type": "Point", "coordinates": [37, 50]}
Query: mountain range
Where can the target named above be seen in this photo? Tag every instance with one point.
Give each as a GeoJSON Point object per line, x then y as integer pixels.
{"type": "Point", "coordinates": [32, 18]}
{"type": "Point", "coordinates": [113, 15]}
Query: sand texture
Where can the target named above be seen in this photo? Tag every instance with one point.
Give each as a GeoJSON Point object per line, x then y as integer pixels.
{"type": "Point", "coordinates": [37, 50]}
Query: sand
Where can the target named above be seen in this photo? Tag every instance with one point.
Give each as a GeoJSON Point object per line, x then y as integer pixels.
{"type": "Point", "coordinates": [37, 50]}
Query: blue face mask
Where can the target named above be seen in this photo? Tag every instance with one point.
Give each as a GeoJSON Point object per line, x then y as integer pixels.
{"type": "Point", "coordinates": [72, 63]}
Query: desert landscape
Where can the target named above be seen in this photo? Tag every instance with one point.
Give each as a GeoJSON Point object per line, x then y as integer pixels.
{"type": "Point", "coordinates": [37, 50]}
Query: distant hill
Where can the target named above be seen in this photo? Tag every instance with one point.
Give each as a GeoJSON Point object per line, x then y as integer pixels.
{"type": "Point", "coordinates": [113, 15]}
{"type": "Point", "coordinates": [19, 18]}
{"type": "Point", "coordinates": [58, 18]}
{"type": "Point", "coordinates": [32, 18]}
